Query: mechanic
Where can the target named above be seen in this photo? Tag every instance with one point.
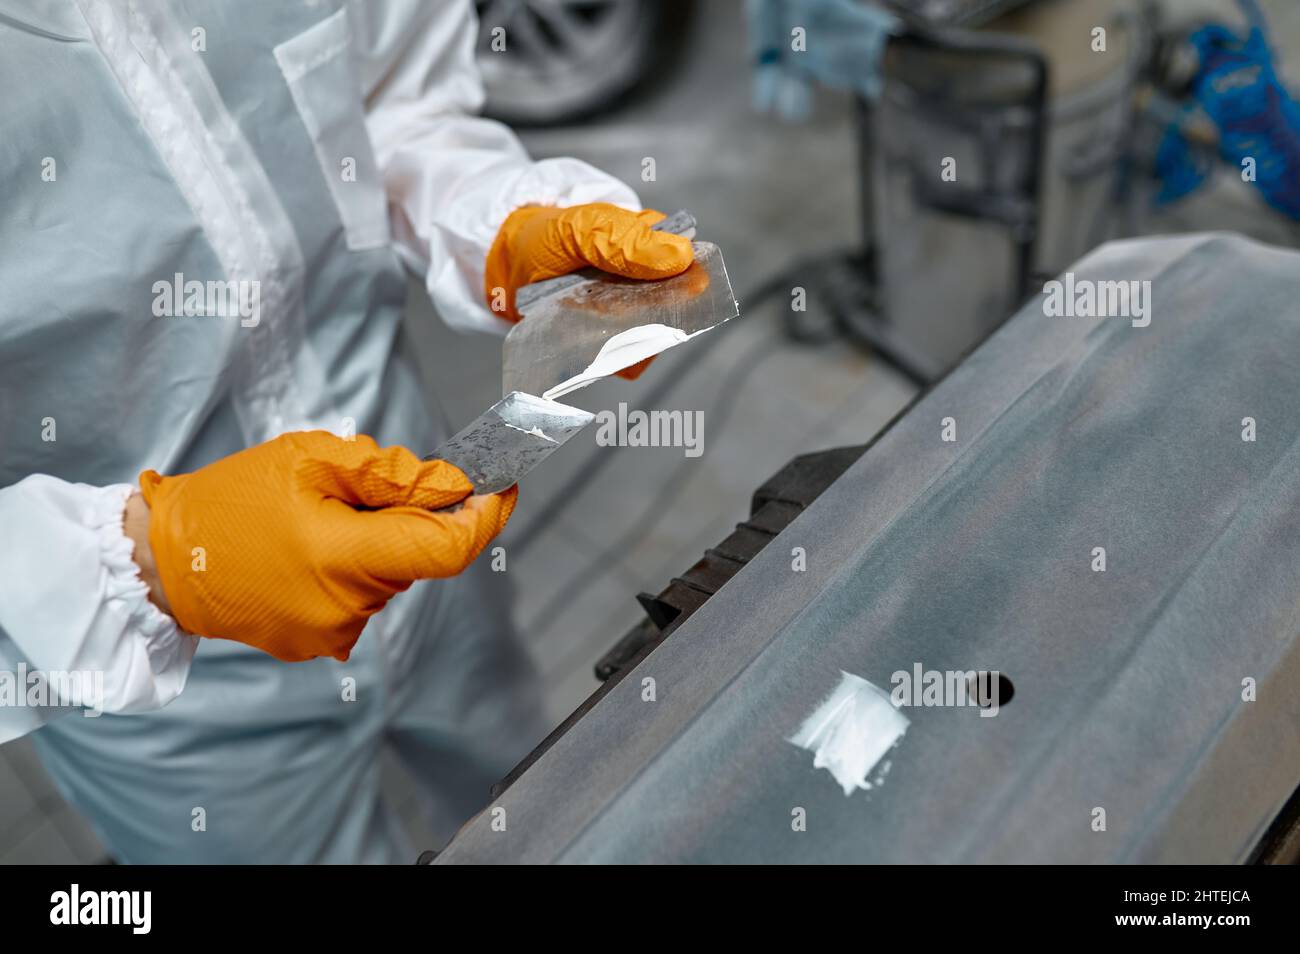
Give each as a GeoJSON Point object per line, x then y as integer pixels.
{"type": "Point", "coordinates": [308, 151]}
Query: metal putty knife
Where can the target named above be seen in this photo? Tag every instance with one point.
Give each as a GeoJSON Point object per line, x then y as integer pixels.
{"type": "Point", "coordinates": [509, 439]}
{"type": "Point", "coordinates": [584, 326]}
{"type": "Point", "coordinates": [570, 319]}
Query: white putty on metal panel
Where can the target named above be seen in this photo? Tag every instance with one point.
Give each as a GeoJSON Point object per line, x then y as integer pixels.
{"type": "Point", "coordinates": [851, 731]}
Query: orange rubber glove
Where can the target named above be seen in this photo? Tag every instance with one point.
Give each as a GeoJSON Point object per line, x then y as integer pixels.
{"type": "Point", "coordinates": [289, 563]}
{"type": "Point", "coordinates": [539, 242]}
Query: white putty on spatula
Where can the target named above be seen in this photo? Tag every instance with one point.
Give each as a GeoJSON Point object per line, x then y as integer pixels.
{"type": "Point", "coordinates": [622, 351]}
{"type": "Point", "coordinates": [535, 431]}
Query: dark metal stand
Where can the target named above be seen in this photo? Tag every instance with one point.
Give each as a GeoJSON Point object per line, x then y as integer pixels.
{"type": "Point", "coordinates": [851, 283]}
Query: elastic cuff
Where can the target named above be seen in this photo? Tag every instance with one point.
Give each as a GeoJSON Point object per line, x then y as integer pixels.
{"type": "Point", "coordinates": [167, 649]}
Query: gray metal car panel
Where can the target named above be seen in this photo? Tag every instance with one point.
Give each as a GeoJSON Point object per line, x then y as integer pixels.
{"type": "Point", "coordinates": [1072, 433]}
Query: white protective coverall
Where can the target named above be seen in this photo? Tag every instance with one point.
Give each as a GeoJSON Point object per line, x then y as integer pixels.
{"type": "Point", "coordinates": [313, 148]}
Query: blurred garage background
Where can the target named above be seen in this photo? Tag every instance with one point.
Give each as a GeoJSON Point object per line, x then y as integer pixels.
{"type": "Point", "coordinates": [789, 203]}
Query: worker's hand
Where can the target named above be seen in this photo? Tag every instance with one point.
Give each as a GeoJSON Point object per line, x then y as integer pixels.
{"type": "Point", "coordinates": [538, 242]}
{"type": "Point", "coordinates": [290, 546]}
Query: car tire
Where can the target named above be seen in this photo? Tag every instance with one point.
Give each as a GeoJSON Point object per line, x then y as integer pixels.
{"type": "Point", "coordinates": [567, 59]}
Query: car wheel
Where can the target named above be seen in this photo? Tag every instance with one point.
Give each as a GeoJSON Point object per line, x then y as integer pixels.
{"type": "Point", "coordinates": [563, 59]}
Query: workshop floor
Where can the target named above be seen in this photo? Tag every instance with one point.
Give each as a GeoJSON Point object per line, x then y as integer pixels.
{"type": "Point", "coordinates": [591, 530]}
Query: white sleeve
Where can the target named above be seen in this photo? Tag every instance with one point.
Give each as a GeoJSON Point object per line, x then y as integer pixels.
{"type": "Point", "coordinates": [74, 613]}
{"type": "Point", "coordinates": [451, 177]}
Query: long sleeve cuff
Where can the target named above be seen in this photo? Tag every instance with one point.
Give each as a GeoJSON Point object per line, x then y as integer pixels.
{"type": "Point", "coordinates": [72, 602]}
{"type": "Point", "coordinates": [450, 203]}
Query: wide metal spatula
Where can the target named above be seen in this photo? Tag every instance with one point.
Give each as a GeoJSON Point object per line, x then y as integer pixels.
{"type": "Point", "coordinates": [509, 439]}
{"type": "Point", "coordinates": [578, 328]}
{"type": "Point", "coordinates": [581, 327]}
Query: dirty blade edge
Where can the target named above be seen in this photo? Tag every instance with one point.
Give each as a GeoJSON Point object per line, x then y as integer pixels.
{"type": "Point", "coordinates": [509, 439]}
